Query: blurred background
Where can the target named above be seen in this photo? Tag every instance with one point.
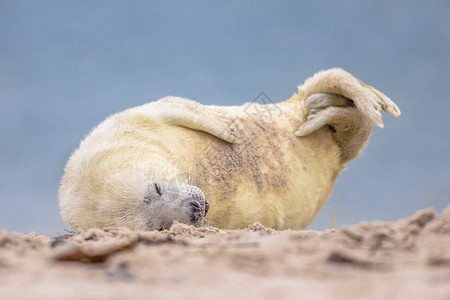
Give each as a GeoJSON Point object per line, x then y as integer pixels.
{"type": "Point", "coordinates": [66, 65]}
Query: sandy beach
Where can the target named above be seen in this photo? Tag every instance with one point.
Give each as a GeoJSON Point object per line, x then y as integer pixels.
{"type": "Point", "coordinates": [406, 259]}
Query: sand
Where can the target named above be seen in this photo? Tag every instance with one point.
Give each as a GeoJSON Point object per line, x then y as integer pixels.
{"type": "Point", "coordinates": [406, 259]}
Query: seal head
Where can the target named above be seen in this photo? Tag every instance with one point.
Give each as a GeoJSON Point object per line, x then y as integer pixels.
{"type": "Point", "coordinates": [170, 201]}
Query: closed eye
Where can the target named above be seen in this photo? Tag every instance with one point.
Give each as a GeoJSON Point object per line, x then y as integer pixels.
{"type": "Point", "coordinates": [157, 189]}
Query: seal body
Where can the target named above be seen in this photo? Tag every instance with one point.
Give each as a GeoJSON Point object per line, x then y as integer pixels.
{"type": "Point", "coordinates": [269, 175]}
{"type": "Point", "coordinates": [274, 163]}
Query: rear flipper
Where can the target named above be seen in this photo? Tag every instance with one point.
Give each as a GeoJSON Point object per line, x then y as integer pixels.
{"type": "Point", "coordinates": [347, 105]}
{"type": "Point", "coordinates": [368, 100]}
{"type": "Point", "coordinates": [351, 128]}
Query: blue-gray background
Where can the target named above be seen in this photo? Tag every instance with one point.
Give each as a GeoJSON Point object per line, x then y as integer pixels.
{"type": "Point", "coordinates": [66, 65]}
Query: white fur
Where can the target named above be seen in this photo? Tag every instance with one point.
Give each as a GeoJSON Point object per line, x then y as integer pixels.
{"type": "Point", "coordinates": [252, 164]}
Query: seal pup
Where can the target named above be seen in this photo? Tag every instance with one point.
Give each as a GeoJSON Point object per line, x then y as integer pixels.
{"type": "Point", "coordinates": [171, 159]}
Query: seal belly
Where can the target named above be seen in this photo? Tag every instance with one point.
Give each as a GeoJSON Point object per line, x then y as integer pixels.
{"type": "Point", "coordinates": [270, 176]}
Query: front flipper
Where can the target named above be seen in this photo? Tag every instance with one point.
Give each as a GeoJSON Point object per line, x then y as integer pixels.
{"type": "Point", "coordinates": [190, 114]}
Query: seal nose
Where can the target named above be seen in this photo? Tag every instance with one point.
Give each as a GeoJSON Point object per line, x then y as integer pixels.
{"type": "Point", "coordinates": [196, 211]}
{"type": "Point", "coordinates": [195, 205]}
{"type": "Point", "coordinates": [198, 198]}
